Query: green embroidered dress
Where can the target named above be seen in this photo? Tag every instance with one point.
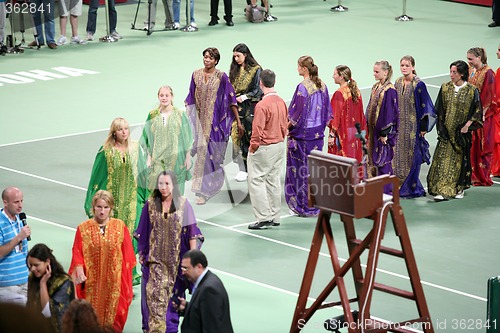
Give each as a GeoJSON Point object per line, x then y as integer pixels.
{"type": "Point", "coordinates": [167, 140]}
{"type": "Point", "coordinates": [122, 176]}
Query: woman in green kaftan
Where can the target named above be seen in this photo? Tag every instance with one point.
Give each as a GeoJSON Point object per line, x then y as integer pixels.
{"type": "Point", "coordinates": [167, 139]}
{"type": "Point", "coordinates": [119, 168]}
{"type": "Point", "coordinates": [459, 112]}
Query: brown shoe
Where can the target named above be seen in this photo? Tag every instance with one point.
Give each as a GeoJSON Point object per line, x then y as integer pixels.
{"type": "Point", "coordinates": [52, 45]}
{"type": "Point", "coordinates": [35, 44]}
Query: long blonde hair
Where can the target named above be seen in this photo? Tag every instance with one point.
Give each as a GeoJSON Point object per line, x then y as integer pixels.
{"type": "Point", "coordinates": [386, 66]}
{"type": "Point", "coordinates": [116, 124]}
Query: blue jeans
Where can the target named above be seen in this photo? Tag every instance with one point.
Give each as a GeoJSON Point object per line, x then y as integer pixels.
{"type": "Point", "coordinates": [48, 17]}
{"type": "Point", "coordinates": [177, 10]}
{"type": "Point", "coordinates": [92, 16]}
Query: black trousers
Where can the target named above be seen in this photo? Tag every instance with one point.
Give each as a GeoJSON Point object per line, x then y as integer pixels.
{"type": "Point", "coordinates": [496, 11]}
{"type": "Point", "coordinates": [228, 9]}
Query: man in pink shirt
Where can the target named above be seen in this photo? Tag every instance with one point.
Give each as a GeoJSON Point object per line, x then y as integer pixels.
{"type": "Point", "coordinates": [265, 158]}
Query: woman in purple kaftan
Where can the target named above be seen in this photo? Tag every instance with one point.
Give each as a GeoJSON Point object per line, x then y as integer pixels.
{"type": "Point", "coordinates": [211, 106]}
{"type": "Point", "coordinates": [167, 229]}
{"type": "Point", "coordinates": [382, 115]}
{"type": "Point", "coordinates": [417, 116]}
{"type": "Point", "coordinates": [308, 114]}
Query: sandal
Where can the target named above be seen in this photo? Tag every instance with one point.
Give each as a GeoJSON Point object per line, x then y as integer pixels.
{"type": "Point", "coordinates": [201, 201]}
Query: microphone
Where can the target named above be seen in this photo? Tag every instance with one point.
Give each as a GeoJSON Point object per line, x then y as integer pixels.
{"type": "Point", "coordinates": [22, 217]}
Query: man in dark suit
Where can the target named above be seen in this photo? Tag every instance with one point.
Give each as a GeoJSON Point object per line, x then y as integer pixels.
{"type": "Point", "coordinates": [208, 310]}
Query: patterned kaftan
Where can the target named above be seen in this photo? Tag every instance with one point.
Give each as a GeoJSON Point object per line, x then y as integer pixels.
{"type": "Point", "coordinates": [107, 259]}
{"type": "Point", "coordinates": [167, 141]}
{"type": "Point", "coordinates": [209, 109]}
{"type": "Point", "coordinates": [416, 114]}
{"type": "Point", "coordinates": [495, 167]}
{"type": "Point", "coordinates": [124, 177]}
{"type": "Point", "coordinates": [346, 113]}
{"type": "Point", "coordinates": [483, 138]}
{"type": "Point", "coordinates": [163, 240]}
{"type": "Point", "coordinates": [246, 83]}
{"type": "Point", "coordinates": [61, 292]}
{"type": "Point", "coordinates": [450, 170]}
{"type": "Point", "coordinates": [382, 116]}
{"type": "Point", "coordinates": [309, 113]}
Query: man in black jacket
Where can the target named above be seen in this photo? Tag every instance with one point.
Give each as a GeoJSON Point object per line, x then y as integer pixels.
{"type": "Point", "coordinates": [208, 309]}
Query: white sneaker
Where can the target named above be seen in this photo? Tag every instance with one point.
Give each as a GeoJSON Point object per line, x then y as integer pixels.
{"type": "Point", "coordinates": [90, 36]}
{"type": "Point", "coordinates": [62, 40]}
{"type": "Point", "coordinates": [78, 40]}
{"type": "Point", "coordinates": [241, 176]}
{"type": "Point", "coordinates": [176, 26]}
{"type": "Point", "coordinates": [270, 18]}
{"type": "Point", "coordinates": [193, 24]}
{"type": "Point", "coordinates": [116, 35]}
{"type": "Point", "coordinates": [439, 197]}
{"type": "Point", "coordinates": [460, 195]}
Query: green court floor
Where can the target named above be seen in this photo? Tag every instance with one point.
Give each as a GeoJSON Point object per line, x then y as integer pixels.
{"type": "Point", "coordinates": [56, 107]}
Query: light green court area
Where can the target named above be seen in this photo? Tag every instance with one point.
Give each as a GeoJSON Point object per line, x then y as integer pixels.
{"type": "Point", "coordinates": [51, 129]}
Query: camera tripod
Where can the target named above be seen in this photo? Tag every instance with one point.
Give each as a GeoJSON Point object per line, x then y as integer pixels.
{"type": "Point", "coordinates": [10, 46]}
{"type": "Point", "coordinates": [170, 26]}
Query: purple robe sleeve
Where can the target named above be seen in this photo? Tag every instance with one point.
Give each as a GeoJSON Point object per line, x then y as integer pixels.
{"type": "Point", "coordinates": [388, 117]}
{"type": "Point", "coordinates": [190, 228]}
{"type": "Point", "coordinates": [388, 120]}
{"type": "Point", "coordinates": [190, 99]}
{"type": "Point", "coordinates": [143, 232]}
{"type": "Point", "coordinates": [424, 105]}
{"type": "Point", "coordinates": [296, 110]}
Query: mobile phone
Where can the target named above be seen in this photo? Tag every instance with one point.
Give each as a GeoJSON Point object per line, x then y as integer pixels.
{"type": "Point", "coordinates": [176, 300]}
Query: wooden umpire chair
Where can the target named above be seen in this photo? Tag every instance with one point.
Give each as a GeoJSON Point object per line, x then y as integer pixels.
{"type": "Point", "coordinates": [334, 187]}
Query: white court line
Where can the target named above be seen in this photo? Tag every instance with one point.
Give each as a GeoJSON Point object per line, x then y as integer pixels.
{"type": "Point", "coordinates": [247, 223]}
{"type": "Point", "coordinates": [140, 124]}
{"type": "Point", "coordinates": [261, 237]}
{"type": "Point", "coordinates": [60, 136]}
{"type": "Point", "coordinates": [294, 247]}
{"type": "Point", "coordinates": [43, 178]}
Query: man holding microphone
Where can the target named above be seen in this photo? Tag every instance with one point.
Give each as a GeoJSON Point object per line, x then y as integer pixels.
{"type": "Point", "coordinates": [13, 248]}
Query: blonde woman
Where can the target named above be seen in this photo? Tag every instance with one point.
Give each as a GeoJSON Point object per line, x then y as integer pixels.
{"type": "Point", "coordinates": [167, 139]}
{"type": "Point", "coordinates": [119, 169]}
{"type": "Point", "coordinates": [382, 116]}
{"type": "Point", "coordinates": [102, 262]}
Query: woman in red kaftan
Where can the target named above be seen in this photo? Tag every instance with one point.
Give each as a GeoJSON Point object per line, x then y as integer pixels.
{"type": "Point", "coordinates": [482, 76]}
{"type": "Point", "coordinates": [495, 167]}
{"type": "Point", "coordinates": [347, 109]}
{"type": "Point", "coordinates": [102, 262]}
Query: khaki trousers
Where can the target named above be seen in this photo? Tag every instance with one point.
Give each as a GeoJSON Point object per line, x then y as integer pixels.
{"type": "Point", "coordinates": [264, 181]}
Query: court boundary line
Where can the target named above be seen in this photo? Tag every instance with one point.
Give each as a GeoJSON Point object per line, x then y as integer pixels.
{"type": "Point", "coordinates": [142, 123]}
{"type": "Point", "coordinates": [443, 288]}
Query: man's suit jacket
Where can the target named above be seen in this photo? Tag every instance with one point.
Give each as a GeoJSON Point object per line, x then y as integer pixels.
{"type": "Point", "coordinates": [208, 310]}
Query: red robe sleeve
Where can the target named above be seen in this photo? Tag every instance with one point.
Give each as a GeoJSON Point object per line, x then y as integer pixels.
{"type": "Point", "coordinates": [77, 260]}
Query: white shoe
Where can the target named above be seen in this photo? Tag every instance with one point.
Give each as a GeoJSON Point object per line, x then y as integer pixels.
{"type": "Point", "coordinates": [116, 35]}
{"type": "Point", "coordinates": [292, 213]}
{"type": "Point", "coordinates": [460, 195]}
{"type": "Point", "coordinates": [176, 26]}
{"type": "Point", "coordinates": [90, 36]}
{"type": "Point", "coordinates": [241, 176]}
{"type": "Point", "coordinates": [78, 40]}
{"type": "Point", "coordinates": [151, 26]}
{"type": "Point", "coordinates": [439, 197]}
{"type": "Point", "coordinates": [193, 24]}
{"type": "Point", "coordinates": [62, 40]}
